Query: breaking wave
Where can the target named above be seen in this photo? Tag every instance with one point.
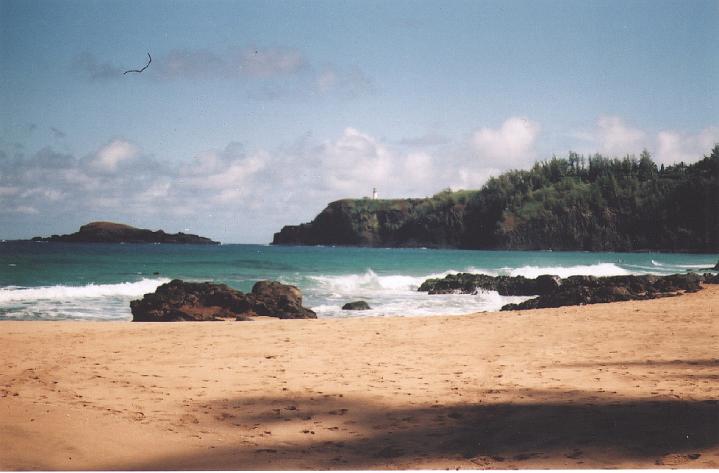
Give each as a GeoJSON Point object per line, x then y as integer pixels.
{"type": "Point", "coordinates": [89, 291]}
{"type": "Point", "coordinates": [600, 269]}
{"type": "Point", "coordinates": [61, 302]}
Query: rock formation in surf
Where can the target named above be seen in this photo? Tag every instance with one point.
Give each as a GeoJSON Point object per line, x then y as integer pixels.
{"type": "Point", "coordinates": [185, 301]}
{"type": "Point", "coordinates": [553, 291]}
{"type": "Point", "coordinates": [356, 305]}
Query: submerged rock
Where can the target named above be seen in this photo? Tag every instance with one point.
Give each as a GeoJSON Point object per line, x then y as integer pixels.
{"type": "Point", "coordinates": [356, 305]}
{"type": "Point", "coordinates": [553, 291]}
{"type": "Point", "coordinates": [179, 300]}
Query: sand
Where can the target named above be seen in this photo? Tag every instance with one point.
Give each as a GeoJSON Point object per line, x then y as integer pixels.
{"type": "Point", "coordinates": [629, 385]}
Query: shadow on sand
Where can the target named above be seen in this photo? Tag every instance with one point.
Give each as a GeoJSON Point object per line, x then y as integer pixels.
{"type": "Point", "coordinates": [575, 430]}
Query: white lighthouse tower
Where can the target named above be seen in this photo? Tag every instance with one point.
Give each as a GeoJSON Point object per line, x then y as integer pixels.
{"type": "Point", "coordinates": [374, 193]}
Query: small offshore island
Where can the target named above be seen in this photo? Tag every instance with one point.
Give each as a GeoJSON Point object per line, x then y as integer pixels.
{"type": "Point", "coordinates": [110, 232]}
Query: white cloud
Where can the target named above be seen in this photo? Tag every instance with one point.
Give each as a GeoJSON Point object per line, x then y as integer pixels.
{"type": "Point", "coordinates": [113, 154]}
{"type": "Point", "coordinates": [612, 137]}
{"type": "Point", "coordinates": [355, 162]}
{"type": "Point", "coordinates": [673, 146]}
{"type": "Point", "coordinates": [431, 138]}
{"type": "Point", "coordinates": [51, 195]}
{"type": "Point", "coordinates": [22, 209]}
{"type": "Point", "coordinates": [616, 138]}
{"type": "Point", "coordinates": [9, 190]}
{"type": "Point", "coordinates": [420, 167]}
{"type": "Point", "coordinates": [222, 172]}
{"type": "Point", "coordinates": [511, 145]}
{"type": "Point", "coordinates": [473, 177]}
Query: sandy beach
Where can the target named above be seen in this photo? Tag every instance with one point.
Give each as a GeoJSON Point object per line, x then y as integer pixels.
{"type": "Point", "coordinates": [628, 385]}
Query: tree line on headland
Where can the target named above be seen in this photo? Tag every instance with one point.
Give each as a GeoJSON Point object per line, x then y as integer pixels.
{"type": "Point", "coordinates": [590, 203]}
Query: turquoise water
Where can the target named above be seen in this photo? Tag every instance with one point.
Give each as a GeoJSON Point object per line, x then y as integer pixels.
{"type": "Point", "coordinates": [97, 281]}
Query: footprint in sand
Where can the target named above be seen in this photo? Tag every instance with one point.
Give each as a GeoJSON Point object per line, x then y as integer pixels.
{"type": "Point", "coordinates": [389, 452]}
{"type": "Point", "coordinates": [525, 456]}
{"type": "Point", "coordinates": [574, 454]}
{"type": "Point", "coordinates": [188, 419]}
{"type": "Point", "coordinates": [674, 459]}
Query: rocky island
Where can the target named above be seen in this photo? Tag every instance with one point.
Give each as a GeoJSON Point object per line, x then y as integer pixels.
{"type": "Point", "coordinates": [109, 232]}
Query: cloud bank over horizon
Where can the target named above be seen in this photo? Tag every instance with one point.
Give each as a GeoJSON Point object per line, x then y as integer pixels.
{"type": "Point", "coordinates": [240, 195]}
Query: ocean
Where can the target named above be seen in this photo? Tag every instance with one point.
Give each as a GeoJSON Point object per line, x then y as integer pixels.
{"type": "Point", "coordinates": [56, 281]}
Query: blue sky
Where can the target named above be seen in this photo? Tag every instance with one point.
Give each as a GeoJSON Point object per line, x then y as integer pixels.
{"type": "Point", "coordinates": [256, 114]}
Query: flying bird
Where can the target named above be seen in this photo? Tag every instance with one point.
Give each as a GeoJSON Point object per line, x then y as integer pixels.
{"type": "Point", "coordinates": [140, 70]}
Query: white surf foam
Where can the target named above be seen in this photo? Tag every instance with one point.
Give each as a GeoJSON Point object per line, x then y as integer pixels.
{"type": "Point", "coordinates": [685, 266]}
{"type": "Point", "coordinates": [396, 295]}
{"type": "Point", "coordinates": [600, 269]}
{"type": "Point", "coordinates": [88, 291]}
{"type": "Point", "coordinates": [369, 281]}
{"type": "Point", "coordinates": [88, 302]}
{"type": "Point", "coordinates": [414, 303]}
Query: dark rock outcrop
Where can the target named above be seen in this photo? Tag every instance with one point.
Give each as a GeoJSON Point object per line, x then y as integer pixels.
{"type": "Point", "coordinates": [356, 305]}
{"type": "Point", "coordinates": [109, 232]}
{"type": "Point", "coordinates": [717, 266]}
{"type": "Point", "coordinates": [553, 291]}
{"type": "Point", "coordinates": [466, 283]}
{"type": "Point", "coordinates": [275, 299]}
{"type": "Point", "coordinates": [378, 223]}
{"type": "Point", "coordinates": [179, 300]}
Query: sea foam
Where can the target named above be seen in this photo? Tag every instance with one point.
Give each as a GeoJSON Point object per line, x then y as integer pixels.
{"type": "Point", "coordinates": [396, 294]}
{"type": "Point", "coordinates": [684, 266]}
{"type": "Point", "coordinates": [88, 291]}
{"type": "Point", "coordinates": [600, 269]}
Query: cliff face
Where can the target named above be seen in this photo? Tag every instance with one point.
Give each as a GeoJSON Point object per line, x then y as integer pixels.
{"type": "Point", "coordinates": [109, 232]}
{"type": "Point", "coordinates": [383, 223]}
{"type": "Point", "coordinates": [597, 204]}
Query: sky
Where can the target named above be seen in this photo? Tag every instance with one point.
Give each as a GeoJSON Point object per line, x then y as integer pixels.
{"type": "Point", "coordinates": [256, 114]}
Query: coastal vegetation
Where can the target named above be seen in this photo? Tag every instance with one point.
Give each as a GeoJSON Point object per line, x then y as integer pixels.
{"type": "Point", "coordinates": [591, 203]}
